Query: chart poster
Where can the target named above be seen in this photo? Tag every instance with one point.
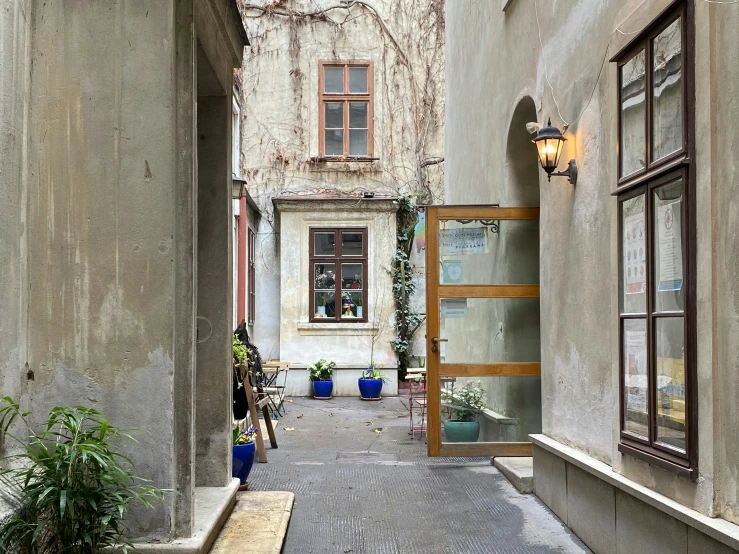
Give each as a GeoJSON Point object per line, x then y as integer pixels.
{"type": "Point", "coordinates": [453, 308]}
{"type": "Point", "coordinates": [636, 372]}
{"type": "Point", "coordinates": [669, 237]}
{"type": "Point", "coordinates": [471, 240]}
{"type": "Point", "coordinates": [634, 252]}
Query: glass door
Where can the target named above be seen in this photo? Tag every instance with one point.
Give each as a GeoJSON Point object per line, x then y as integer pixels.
{"type": "Point", "coordinates": [483, 332]}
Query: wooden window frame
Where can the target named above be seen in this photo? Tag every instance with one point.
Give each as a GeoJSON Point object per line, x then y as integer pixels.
{"type": "Point", "coordinates": [338, 258]}
{"type": "Point", "coordinates": [346, 97]}
{"type": "Point", "coordinates": [252, 277]}
{"type": "Point", "coordinates": [654, 174]}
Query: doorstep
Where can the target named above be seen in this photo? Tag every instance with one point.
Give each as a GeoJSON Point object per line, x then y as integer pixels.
{"type": "Point", "coordinates": [518, 470]}
{"type": "Point", "coordinates": [258, 523]}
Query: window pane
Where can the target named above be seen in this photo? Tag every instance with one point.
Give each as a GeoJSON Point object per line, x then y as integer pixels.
{"type": "Point", "coordinates": [333, 80]}
{"type": "Point", "coordinates": [668, 247]}
{"type": "Point", "coordinates": [325, 303]}
{"type": "Point", "coordinates": [358, 80]}
{"type": "Point", "coordinates": [667, 114]}
{"type": "Point", "coordinates": [670, 334]}
{"type": "Point", "coordinates": [351, 244]}
{"type": "Point", "coordinates": [334, 115]}
{"type": "Point", "coordinates": [633, 115]}
{"type": "Point", "coordinates": [636, 419]}
{"type": "Point", "coordinates": [357, 142]}
{"type": "Point", "coordinates": [334, 145]}
{"type": "Point", "coordinates": [357, 115]}
{"type": "Point", "coordinates": [324, 244]}
{"type": "Point", "coordinates": [351, 276]}
{"type": "Point", "coordinates": [324, 276]}
{"type": "Point", "coordinates": [634, 258]}
{"type": "Point", "coordinates": [351, 305]}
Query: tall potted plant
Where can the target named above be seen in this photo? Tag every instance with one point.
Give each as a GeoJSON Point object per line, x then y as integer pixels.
{"type": "Point", "coordinates": [321, 374]}
{"type": "Point", "coordinates": [466, 405]}
{"type": "Point", "coordinates": [370, 382]}
{"type": "Point", "coordinates": [243, 451]}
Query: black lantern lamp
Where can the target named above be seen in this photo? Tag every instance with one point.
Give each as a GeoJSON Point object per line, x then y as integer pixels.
{"type": "Point", "coordinates": [549, 142]}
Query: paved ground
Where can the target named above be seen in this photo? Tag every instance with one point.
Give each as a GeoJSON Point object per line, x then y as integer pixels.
{"type": "Point", "coordinates": [362, 492]}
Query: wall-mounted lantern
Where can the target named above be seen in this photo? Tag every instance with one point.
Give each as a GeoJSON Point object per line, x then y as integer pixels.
{"type": "Point", "coordinates": [549, 142]}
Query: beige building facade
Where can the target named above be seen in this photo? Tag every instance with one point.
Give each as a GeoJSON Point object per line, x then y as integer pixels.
{"type": "Point", "coordinates": [637, 447]}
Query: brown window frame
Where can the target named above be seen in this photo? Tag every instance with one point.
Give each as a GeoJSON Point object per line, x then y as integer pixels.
{"type": "Point", "coordinates": [252, 277]}
{"type": "Point", "coordinates": [346, 97]}
{"type": "Point", "coordinates": [338, 258]}
{"type": "Point", "coordinates": [643, 182]}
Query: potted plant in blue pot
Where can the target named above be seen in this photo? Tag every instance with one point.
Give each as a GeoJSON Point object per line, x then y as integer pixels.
{"type": "Point", "coordinates": [465, 406]}
{"type": "Point", "coordinates": [243, 450]}
{"type": "Point", "coordinates": [321, 373]}
{"type": "Point", "coordinates": [370, 383]}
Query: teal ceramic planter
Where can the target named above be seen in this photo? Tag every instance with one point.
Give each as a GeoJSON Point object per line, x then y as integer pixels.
{"type": "Point", "coordinates": [461, 431]}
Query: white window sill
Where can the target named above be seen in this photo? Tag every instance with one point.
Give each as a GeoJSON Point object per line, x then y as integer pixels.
{"type": "Point", "coordinates": [333, 329]}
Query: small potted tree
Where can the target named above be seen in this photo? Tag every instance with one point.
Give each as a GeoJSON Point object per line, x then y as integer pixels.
{"type": "Point", "coordinates": [321, 373]}
{"type": "Point", "coordinates": [243, 451]}
{"type": "Point", "coordinates": [466, 405]}
{"type": "Point", "coordinates": [370, 383]}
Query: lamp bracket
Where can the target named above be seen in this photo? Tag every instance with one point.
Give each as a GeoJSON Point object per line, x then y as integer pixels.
{"type": "Point", "coordinates": [570, 173]}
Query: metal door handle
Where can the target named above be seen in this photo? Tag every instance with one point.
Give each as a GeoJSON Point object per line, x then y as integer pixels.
{"type": "Point", "coordinates": [437, 340]}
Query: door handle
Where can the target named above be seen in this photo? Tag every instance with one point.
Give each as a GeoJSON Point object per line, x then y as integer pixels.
{"type": "Point", "coordinates": [435, 341]}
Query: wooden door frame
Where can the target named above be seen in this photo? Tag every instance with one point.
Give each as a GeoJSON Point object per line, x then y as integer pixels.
{"type": "Point", "coordinates": [434, 292]}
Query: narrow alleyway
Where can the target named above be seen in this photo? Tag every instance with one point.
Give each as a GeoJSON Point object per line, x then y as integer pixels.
{"type": "Point", "coordinates": [361, 491]}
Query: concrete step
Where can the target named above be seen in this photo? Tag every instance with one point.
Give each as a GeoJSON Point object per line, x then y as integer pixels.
{"type": "Point", "coordinates": [518, 470]}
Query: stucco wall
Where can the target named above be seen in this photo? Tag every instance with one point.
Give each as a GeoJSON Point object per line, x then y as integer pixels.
{"type": "Point", "coordinates": [494, 60]}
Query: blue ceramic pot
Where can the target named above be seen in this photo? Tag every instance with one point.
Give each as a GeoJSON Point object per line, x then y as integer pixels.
{"type": "Point", "coordinates": [461, 431]}
{"type": "Point", "coordinates": [322, 389]}
{"type": "Point", "coordinates": [370, 388]}
{"type": "Point", "coordinates": [243, 460]}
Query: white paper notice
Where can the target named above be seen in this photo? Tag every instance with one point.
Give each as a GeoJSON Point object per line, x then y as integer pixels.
{"type": "Point", "coordinates": [453, 308]}
{"type": "Point", "coordinates": [670, 248]}
{"type": "Point", "coordinates": [472, 240]}
{"type": "Point", "coordinates": [634, 251]}
{"type": "Point", "coordinates": [636, 372]}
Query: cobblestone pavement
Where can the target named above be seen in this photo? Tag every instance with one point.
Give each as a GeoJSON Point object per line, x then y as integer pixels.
{"type": "Point", "coordinates": [361, 491]}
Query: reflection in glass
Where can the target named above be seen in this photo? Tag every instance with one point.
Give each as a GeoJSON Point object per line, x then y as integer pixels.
{"type": "Point", "coordinates": [351, 244]}
{"type": "Point", "coordinates": [633, 115]}
{"type": "Point", "coordinates": [670, 334]}
{"type": "Point", "coordinates": [636, 418]}
{"type": "Point", "coordinates": [633, 256]}
{"type": "Point", "coordinates": [333, 79]}
{"type": "Point", "coordinates": [324, 244]}
{"type": "Point", "coordinates": [667, 102]}
{"type": "Point", "coordinates": [334, 145]}
{"type": "Point", "coordinates": [668, 247]}
{"type": "Point", "coordinates": [334, 115]}
{"type": "Point", "coordinates": [351, 305]}
{"type": "Point", "coordinates": [325, 304]}
{"type": "Point", "coordinates": [357, 142]}
{"type": "Point", "coordinates": [324, 276]}
{"type": "Point", "coordinates": [490, 330]}
{"type": "Point", "coordinates": [358, 80]}
{"type": "Point", "coordinates": [357, 115]}
{"type": "Point", "coordinates": [351, 276]}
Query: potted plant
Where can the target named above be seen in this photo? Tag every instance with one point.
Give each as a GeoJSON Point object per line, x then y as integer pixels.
{"type": "Point", "coordinates": [321, 373]}
{"type": "Point", "coordinates": [370, 383]}
{"type": "Point", "coordinates": [243, 451]}
{"type": "Point", "coordinates": [466, 405]}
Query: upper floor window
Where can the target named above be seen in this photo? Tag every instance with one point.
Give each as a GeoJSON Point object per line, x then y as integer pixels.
{"type": "Point", "coordinates": [656, 257]}
{"type": "Point", "coordinates": [338, 274]}
{"type": "Point", "coordinates": [346, 109]}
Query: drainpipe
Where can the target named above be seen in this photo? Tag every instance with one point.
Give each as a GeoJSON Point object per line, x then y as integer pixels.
{"type": "Point", "coordinates": [241, 260]}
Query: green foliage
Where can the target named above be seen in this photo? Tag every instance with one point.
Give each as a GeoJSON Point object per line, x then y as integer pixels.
{"type": "Point", "coordinates": [467, 403]}
{"type": "Point", "coordinates": [321, 370]}
{"type": "Point", "coordinates": [373, 372]}
{"type": "Point", "coordinates": [71, 491]}
{"type": "Point", "coordinates": [243, 437]}
{"type": "Point", "coordinates": [407, 322]}
{"type": "Point", "coordinates": [240, 351]}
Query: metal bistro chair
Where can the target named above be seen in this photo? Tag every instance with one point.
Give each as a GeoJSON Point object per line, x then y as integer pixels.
{"type": "Point", "coordinates": [417, 402]}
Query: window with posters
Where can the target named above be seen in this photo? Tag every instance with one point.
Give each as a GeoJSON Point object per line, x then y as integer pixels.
{"type": "Point", "coordinates": [656, 303]}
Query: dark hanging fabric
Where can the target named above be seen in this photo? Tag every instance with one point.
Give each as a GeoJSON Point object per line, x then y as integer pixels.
{"type": "Point", "coordinates": [254, 363]}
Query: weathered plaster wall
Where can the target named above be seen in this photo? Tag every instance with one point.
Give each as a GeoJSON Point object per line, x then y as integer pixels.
{"type": "Point", "coordinates": [494, 60]}
{"type": "Point", "coordinates": [280, 115]}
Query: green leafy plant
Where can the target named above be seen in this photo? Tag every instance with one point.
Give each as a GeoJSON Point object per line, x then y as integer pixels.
{"type": "Point", "coordinates": [321, 370]}
{"type": "Point", "coordinates": [466, 403]}
{"type": "Point", "coordinates": [243, 437]}
{"type": "Point", "coordinates": [373, 372]}
{"type": "Point", "coordinates": [69, 491]}
{"type": "Point", "coordinates": [240, 351]}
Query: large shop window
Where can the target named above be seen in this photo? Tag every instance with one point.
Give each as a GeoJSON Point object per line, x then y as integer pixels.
{"type": "Point", "coordinates": [656, 237]}
{"type": "Point", "coordinates": [338, 275]}
{"type": "Point", "coordinates": [346, 110]}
